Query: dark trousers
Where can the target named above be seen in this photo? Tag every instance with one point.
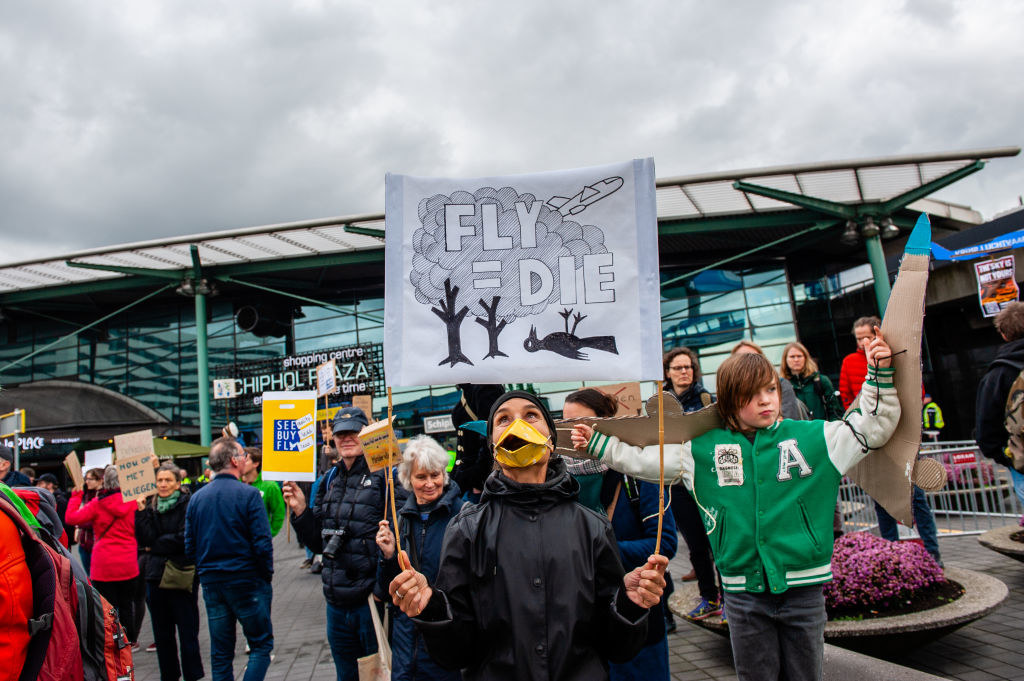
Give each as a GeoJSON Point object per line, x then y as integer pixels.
{"type": "Point", "coordinates": [351, 635]}
{"type": "Point", "coordinates": [249, 604]}
{"type": "Point", "coordinates": [173, 610]}
{"type": "Point", "coordinates": [121, 595]}
{"type": "Point", "coordinates": [689, 522]}
{"type": "Point", "coordinates": [777, 636]}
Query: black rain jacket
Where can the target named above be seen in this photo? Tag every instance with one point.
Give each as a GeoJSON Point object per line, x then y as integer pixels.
{"type": "Point", "coordinates": [990, 408]}
{"type": "Point", "coordinates": [530, 587]}
{"type": "Point", "coordinates": [162, 535]}
{"type": "Point", "coordinates": [353, 499]}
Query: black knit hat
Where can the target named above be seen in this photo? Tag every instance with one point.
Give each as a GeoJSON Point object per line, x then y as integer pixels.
{"type": "Point", "coordinates": [529, 397]}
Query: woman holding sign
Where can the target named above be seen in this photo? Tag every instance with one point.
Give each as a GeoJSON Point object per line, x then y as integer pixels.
{"type": "Point", "coordinates": [115, 564]}
{"type": "Point", "coordinates": [530, 584]}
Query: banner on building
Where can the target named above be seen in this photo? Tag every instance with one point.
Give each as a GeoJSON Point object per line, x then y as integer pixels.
{"type": "Point", "coordinates": [997, 284]}
{"type": "Point", "coordinates": [543, 277]}
{"type": "Point", "coordinates": [358, 370]}
{"type": "Point", "coordinates": [289, 436]}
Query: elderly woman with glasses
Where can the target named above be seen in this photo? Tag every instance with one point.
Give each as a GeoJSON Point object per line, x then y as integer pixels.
{"type": "Point", "coordinates": [422, 521]}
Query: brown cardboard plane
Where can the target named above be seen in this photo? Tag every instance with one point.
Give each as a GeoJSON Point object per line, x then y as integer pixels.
{"type": "Point", "coordinates": [887, 474]}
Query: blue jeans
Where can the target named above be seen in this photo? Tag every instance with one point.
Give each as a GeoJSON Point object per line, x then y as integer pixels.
{"type": "Point", "coordinates": [350, 633]}
{"type": "Point", "coordinates": [924, 519]}
{"type": "Point", "coordinates": [249, 604]}
{"type": "Point", "coordinates": [777, 636]}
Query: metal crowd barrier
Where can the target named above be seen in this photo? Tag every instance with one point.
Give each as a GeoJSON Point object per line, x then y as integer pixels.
{"type": "Point", "coordinates": [978, 495]}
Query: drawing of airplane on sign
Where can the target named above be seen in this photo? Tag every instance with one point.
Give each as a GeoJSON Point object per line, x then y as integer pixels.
{"type": "Point", "coordinates": [590, 194]}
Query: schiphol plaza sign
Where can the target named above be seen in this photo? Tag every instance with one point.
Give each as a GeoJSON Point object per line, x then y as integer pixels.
{"type": "Point", "coordinates": [359, 370]}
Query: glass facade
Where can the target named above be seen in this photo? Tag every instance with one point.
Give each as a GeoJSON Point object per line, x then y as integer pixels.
{"type": "Point", "coordinates": [149, 353]}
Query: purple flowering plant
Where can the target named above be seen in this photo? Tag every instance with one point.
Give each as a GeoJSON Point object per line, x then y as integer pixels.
{"type": "Point", "coordinates": [872, 573]}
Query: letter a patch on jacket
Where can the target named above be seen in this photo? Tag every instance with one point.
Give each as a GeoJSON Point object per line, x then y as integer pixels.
{"type": "Point", "coordinates": [789, 456]}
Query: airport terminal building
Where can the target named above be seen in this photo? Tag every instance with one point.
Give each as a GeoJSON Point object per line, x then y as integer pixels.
{"type": "Point", "coordinates": [128, 337]}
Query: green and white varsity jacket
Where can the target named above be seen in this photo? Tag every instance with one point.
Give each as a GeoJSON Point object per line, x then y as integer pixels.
{"type": "Point", "coordinates": [767, 506]}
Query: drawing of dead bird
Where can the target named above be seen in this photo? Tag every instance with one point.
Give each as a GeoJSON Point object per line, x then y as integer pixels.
{"type": "Point", "coordinates": [567, 343]}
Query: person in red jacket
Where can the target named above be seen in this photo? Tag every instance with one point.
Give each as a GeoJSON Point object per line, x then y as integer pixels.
{"type": "Point", "coordinates": [115, 564]}
{"type": "Point", "coordinates": [855, 366]}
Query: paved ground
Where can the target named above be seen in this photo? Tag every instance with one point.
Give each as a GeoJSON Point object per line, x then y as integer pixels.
{"type": "Point", "coordinates": [991, 648]}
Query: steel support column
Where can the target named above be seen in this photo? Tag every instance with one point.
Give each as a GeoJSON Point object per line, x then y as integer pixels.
{"type": "Point", "coordinates": [873, 245]}
{"type": "Point", "coordinates": [202, 350]}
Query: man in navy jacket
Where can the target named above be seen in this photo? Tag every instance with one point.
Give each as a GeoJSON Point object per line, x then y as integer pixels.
{"type": "Point", "coordinates": [227, 536]}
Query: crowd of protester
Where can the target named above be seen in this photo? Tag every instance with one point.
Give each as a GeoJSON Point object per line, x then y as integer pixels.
{"type": "Point", "coordinates": [543, 567]}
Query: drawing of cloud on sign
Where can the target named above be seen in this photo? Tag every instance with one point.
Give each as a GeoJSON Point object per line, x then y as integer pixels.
{"type": "Point", "coordinates": [501, 255]}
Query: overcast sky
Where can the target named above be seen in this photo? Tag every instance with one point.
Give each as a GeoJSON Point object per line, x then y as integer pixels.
{"type": "Point", "coordinates": [132, 120]}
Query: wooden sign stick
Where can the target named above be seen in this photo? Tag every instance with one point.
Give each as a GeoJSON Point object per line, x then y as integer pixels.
{"type": "Point", "coordinates": [327, 417]}
{"type": "Point", "coordinates": [661, 465]}
{"type": "Point", "coordinates": [391, 485]}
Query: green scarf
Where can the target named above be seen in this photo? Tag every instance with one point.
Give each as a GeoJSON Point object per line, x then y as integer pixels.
{"type": "Point", "coordinates": [164, 504]}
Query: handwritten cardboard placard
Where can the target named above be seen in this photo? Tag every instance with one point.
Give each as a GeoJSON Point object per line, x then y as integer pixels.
{"type": "Point", "coordinates": [627, 395]}
{"type": "Point", "coordinates": [364, 402]}
{"type": "Point", "coordinates": [131, 445]}
{"type": "Point", "coordinates": [289, 436]}
{"type": "Point", "coordinates": [326, 378]}
{"type": "Point", "coordinates": [136, 477]}
{"type": "Point", "coordinates": [379, 445]}
{"type": "Point", "coordinates": [98, 458]}
{"type": "Point", "coordinates": [74, 469]}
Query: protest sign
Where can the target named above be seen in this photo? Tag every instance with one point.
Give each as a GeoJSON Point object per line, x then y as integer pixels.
{"type": "Point", "coordinates": [136, 477]}
{"type": "Point", "coordinates": [364, 402]}
{"type": "Point", "coordinates": [549, 277]}
{"type": "Point", "coordinates": [131, 445]}
{"type": "Point", "coordinates": [289, 436]}
{"type": "Point", "coordinates": [98, 458]}
{"type": "Point", "coordinates": [627, 395]}
{"type": "Point", "coordinates": [74, 469]}
{"type": "Point", "coordinates": [997, 285]}
{"type": "Point", "coordinates": [224, 388]}
{"type": "Point", "coordinates": [379, 444]}
{"type": "Point", "coordinates": [326, 378]}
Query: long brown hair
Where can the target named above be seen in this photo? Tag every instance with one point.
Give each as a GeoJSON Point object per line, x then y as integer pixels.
{"type": "Point", "coordinates": [740, 378]}
{"type": "Point", "coordinates": [810, 366]}
{"type": "Point", "coordinates": [602, 404]}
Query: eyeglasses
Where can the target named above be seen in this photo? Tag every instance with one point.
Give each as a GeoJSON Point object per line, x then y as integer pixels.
{"type": "Point", "coordinates": [688, 367]}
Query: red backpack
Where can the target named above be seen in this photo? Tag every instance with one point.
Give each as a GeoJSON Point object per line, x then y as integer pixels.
{"type": "Point", "coordinates": [75, 633]}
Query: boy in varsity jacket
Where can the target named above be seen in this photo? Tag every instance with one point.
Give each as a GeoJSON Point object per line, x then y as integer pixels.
{"type": "Point", "coordinates": [766, 489]}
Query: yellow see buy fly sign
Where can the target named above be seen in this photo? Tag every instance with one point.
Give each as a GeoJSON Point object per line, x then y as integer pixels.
{"type": "Point", "coordinates": [289, 436]}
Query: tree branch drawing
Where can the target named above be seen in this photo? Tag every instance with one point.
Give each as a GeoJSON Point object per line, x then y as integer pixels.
{"type": "Point", "coordinates": [493, 326]}
{"type": "Point", "coordinates": [453, 321]}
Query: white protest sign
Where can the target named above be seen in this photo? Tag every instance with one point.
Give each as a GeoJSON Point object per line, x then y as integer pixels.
{"type": "Point", "coordinates": [289, 436]}
{"type": "Point", "coordinates": [326, 378]}
{"type": "Point", "coordinates": [136, 477]}
{"type": "Point", "coordinates": [98, 458]}
{"type": "Point", "coordinates": [224, 388]}
{"type": "Point", "coordinates": [544, 277]}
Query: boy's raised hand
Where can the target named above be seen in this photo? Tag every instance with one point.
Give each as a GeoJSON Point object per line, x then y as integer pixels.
{"type": "Point", "coordinates": [878, 350]}
{"type": "Point", "coordinates": [581, 434]}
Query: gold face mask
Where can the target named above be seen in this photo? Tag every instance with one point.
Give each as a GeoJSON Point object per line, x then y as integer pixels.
{"type": "Point", "coordinates": [521, 445]}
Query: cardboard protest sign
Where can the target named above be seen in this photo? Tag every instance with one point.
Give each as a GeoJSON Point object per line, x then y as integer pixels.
{"type": "Point", "coordinates": [379, 444]}
{"type": "Point", "coordinates": [364, 402]}
{"type": "Point", "coordinates": [997, 285]}
{"type": "Point", "coordinates": [224, 388]}
{"type": "Point", "coordinates": [131, 445]}
{"type": "Point", "coordinates": [74, 469]}
{"type": "Point", "coordinates": [136, 477]}
{"type": "Point", "coordinates": [549, 276]}
{"type": "Point", "coordinates": [289, 436]}
{"type": "Point", "coordinates": [98, 458]}
{"type": "Point", "coordinates": [627, 395]}
{"type": "Point", "coordinates": [326, 378]}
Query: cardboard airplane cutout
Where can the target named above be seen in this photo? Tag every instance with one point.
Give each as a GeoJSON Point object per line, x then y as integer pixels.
{"type": "Point", "coordinates": [886, 474]}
